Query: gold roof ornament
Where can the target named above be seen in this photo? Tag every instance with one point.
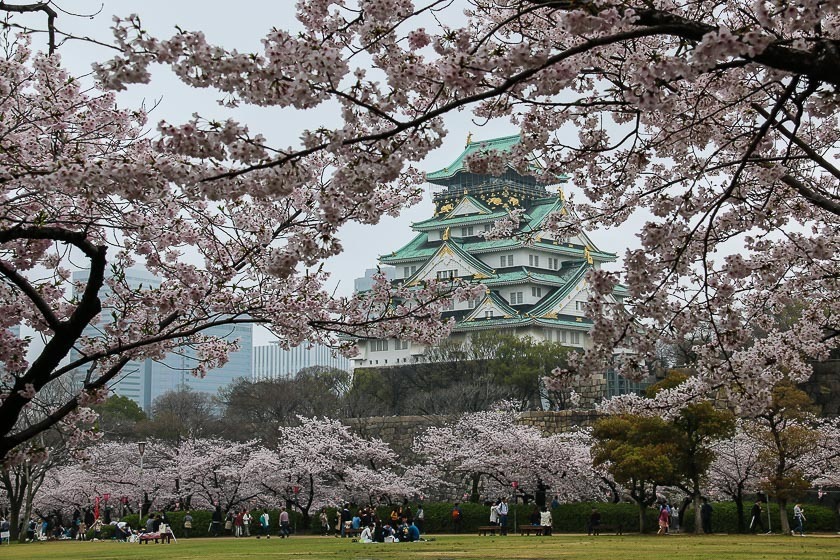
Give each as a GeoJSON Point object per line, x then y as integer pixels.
{"type": "Point", "coordinates": [469, 139]}
{"type": "Point", "coordinates": [561, 194]}
{"type": "Point", "coordinates": [587, 255]}
{"type": "Point", "coordinates": [446, 234]}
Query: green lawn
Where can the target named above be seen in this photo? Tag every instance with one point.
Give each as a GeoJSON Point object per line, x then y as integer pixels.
{"type": "Point", "coordinates": [450, 548]}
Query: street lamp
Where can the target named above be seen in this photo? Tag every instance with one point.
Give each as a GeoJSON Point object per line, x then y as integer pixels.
{"type": "Point", "coordinates": [141, 446]}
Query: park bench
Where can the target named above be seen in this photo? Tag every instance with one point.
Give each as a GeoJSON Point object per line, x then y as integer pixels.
{"type": "Point", "coordinates": [484, 529]}
{"type": "Point", "coordinates": [166, 537]}
{"type": "Point", "coordinates": [617, 528]}
{"type": "Point", "coordinates": [531, 530]}
{"type": "Point", "coordinates": [353, 532]}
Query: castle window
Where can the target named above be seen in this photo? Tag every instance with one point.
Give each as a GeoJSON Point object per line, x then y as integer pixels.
{"type": "Point", "coordinates": [506, 260]}
{"type": "Point", "coordinates": [379, 345]}
{"type": "Point", "coordinates": [447, 274]}
{"type": "Point", "coordinates": [466, 231]}
{"type": "Point", "coordinates": [488, 314]}
{"type": "Point", "coordinates": [536, 291]}
{"type": "Point", "coordinates": [515, 297]}
{"type": "Point", "coordinates": [553, 263]}
{"type": "Point", "coordinates": [580, 306]}
{"type": "Point", "coordinates": [533, 260]}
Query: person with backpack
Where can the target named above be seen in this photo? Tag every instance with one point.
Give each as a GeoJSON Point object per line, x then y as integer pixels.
{"type": "Point", "coordinates": [188, 521]}
{"type": "Point", "coordinates": [456, 518]}
{"type": "Point", "coordinates": [503, 515]}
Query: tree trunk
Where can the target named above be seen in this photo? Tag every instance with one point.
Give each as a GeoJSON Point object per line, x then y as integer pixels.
{"type": "Point", "coordinates": [474, 497]}
{"type": "Point", "coordinates": [739, 508]}
{"type": "Point", "coordinates": [641, 517]}
{"type": "Point", "coordinates": [783, 518]}
{"type": "Point", "coordinates": [698, 514]}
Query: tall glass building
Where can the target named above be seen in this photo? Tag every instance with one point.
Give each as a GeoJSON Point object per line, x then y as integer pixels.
{"type": "Point", "coordinates": [273, 362]}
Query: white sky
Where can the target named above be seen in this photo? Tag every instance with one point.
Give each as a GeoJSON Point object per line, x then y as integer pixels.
{"type": "Point", "coordinates": [241, 27]}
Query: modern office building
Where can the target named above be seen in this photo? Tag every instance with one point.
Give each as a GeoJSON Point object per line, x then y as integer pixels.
{"type": "Point", "coordinates": [273, 362]}
{"type": "Point", "coordinates": [365, 283]}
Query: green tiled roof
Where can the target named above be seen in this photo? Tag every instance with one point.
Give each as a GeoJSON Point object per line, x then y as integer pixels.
{"type": "Point", "coordinates": [417, 248]}
{"type": "Point", "coordinates": [439, 222]}
{"type": "Point", "coordinates": [540, 211]}
{"type": "Point", "coordinates": [578, 270]}
{"type": "Point", "coordinates": [503, 144]}
{"type": "Point", "coordinates": [524, 274]}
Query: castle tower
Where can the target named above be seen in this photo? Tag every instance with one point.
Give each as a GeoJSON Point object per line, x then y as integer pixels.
{"type": "Point", "coordinates": [536, 282]}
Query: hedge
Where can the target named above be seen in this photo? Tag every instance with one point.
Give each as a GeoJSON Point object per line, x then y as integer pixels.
{"type": "Point", "coordinates": [567, 518]}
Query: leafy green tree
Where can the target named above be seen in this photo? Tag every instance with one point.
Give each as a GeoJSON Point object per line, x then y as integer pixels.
{"type": "Point", "coordinates": [180, 414]}
{"type": "Point", "coordinates": [698, 426]}
{"type": "Point", "coordinates": [786, 439]}
{"type": "Point", "coordinates": [638, 452]}
{"type": "Point", "coordinates": [118, 417]}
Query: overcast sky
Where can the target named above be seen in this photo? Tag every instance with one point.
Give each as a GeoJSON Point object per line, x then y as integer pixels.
{"type": "Point", "coordinates": [241, 26]}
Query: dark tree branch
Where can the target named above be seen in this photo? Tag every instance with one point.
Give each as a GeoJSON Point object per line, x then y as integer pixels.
{"type": "Point", "coordinates": [37, 7]}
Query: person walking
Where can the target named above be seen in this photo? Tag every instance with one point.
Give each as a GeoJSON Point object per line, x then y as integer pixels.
{"type": "Point", "coordinates": [664, 519]}
{"type": "Point", "coordinates": [265, 528]}
{"type": "Point", "coordinates": [799, 517]}
{"type": "Point", "coordinates": [755, 517]}
{"type": "Point", "coordinates": [420, 518]}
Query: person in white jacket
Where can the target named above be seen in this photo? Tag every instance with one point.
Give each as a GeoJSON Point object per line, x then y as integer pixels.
{"type": "Point", "coordinates": [367, 535]}
{"type": "Point", "coordinates": [494, 513]}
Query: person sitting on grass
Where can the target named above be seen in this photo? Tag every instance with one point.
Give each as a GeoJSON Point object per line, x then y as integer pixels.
{"type": "Point", "coordinates": [367, 534]}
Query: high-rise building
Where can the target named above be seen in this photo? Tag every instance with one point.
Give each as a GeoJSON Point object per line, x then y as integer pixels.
{"type": "Point", "coordinates": [365, 283]}
{"type": "Point", "coordinates": [144, 381]}
{"type": "Point", "coordinates": [273, 362]}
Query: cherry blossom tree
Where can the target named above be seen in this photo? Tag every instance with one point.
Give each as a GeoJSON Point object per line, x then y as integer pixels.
{"type": "Point", "coordinates": [84, 189]}
{"type": "Point", "coordinates": [204, 472]}
{"type": "Point", "coordinates": [322, 463]}
{"type": "Point", "coordinates": [735, 471]}
{"type": "Point", "coordinates": [714, 121]}
{"type": "Point", "coordinates": [486, 452]}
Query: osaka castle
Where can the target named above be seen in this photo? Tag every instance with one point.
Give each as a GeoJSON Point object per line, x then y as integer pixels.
{"type": "Point", "coordinates": [536, 282]}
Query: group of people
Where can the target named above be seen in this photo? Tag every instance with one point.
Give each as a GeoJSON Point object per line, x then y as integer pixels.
{"type": "Point", "coordinates": [401, 525]}
{"type": "Point", "coordinates": [669, 518]}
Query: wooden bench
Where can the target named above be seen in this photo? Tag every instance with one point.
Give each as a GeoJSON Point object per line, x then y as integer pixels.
{"type": "Point", "coordinates": [353, 532]}
{"type": "Point", "coordinates": [618, 529]}
{"type": "Point", "coordinates": [531, 530]}
{"type": "Point", "coordinates": [483, 530]}
{"type": "Point", "coordinates": [144, 538]}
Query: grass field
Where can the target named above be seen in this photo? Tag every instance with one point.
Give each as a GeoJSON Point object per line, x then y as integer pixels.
{"type": "Point", "coordinates": [446, 547]}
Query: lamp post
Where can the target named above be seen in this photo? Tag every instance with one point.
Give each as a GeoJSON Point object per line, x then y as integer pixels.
{"type": "Point", "coordinates": [141, 446]}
